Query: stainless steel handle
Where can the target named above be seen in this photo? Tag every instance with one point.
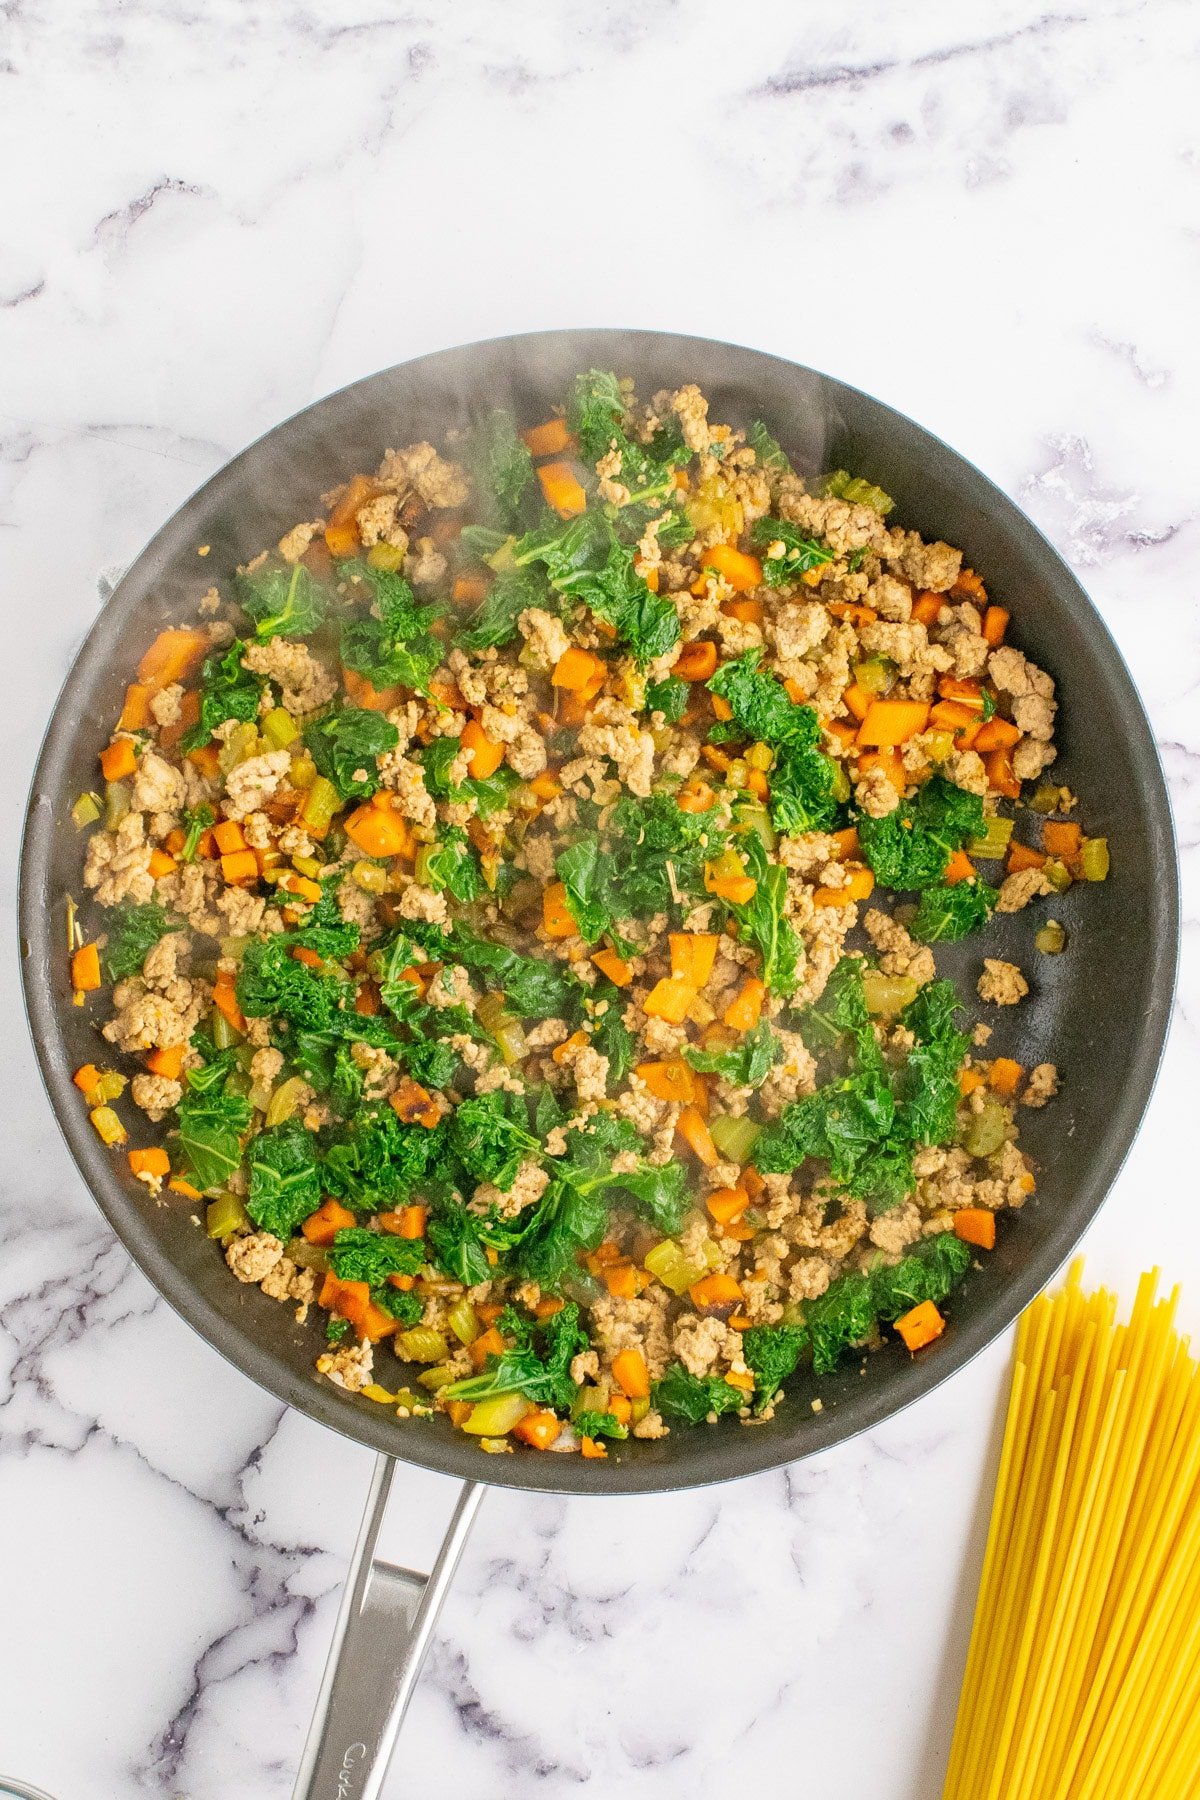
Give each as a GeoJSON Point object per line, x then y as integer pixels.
{"type": "Point", "coordinates": [383, 1629]}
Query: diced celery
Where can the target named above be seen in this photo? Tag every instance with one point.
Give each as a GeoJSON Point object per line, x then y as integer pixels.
{"type": "Point", "coordinates": [371, 877]}
{"type": "Point", "coordinates": [234, 947]}
{"type": "Point", "coordinates": [286, 1099]}
{"type": "Point", "coordinates": [433, 1379]}
{"type": "Point", "coordinates": [492, 1011]}
{"type": "Point", "coordinates": [760, 757]}
{"type": "Point", "coordinates": [855, 491]}
{"type": "Point", "coordinates": [987, 1130]}
{"type": "Point", "coordinates": [421, 867]}
{"type": "Point", "coordinates": [938, 745]}
{"type": "Point", "coordinates": [592, 1397]}
{"type": "Point", "coordinates": [118, 796]}
{"type": "Point", "coordinates": [225, 1215]}
{"type": "Point", "coordinates": [734, 1138]}
{"type": "Point", "coordinates": [85, 811]}
{"type": "Point", "coordinates": [1051, 940]}
{"type": "Point", "coordinates": [497, 1416]}
{"type": "Point", "coordinates": [1046, 798]}
{"type": "Point", "coordinates": [239, 746]}
{"type": "Point", "coordinates": [877, 674]}
{"type": "Point", "coordinates": [410, 1402]}
{"type": "Point", "coordinates": [107, 1125]}
{"type": "Point", "coordinates": [309, 1256]}
{"type": "Point", "coordinates": [422, 1345]}
{"type": "Point", "coordinates": [759, 821]}
{"type": "Point", "coordinates": [279, 728]}
{"type": "Point", "coordinates": [463, 1321]}
{"type": "Point", "coordinates": [511, 1041]}
{"type": "Point", "coordinates": [225, 1035]}
{"type": "Point", "coordinates": [669, 1264]}
{"type": "Point", "coordinates": [886, 995]}
{"type": "Point", "coordinates": [308, 865]}
{"type": "Point", "coordinates": [387, 556]}
{"type": "Point", "coordinates": [639, 1408]}
{"type": "Point", "coordinates": [260, 1096]}
{"type": "Point", "coordinates": [841, 781]}
{"type": "Point", "coordinates": [110, 1086]}
{"type": "Point", "coordinates": [993, 845]}
{"type": "Point", "coordinates": [502, 558]}
{"type": "Point", "coordinates": [1057, 874]}
{"type": "Point", "coordinates": [320, 803]}
{"type": "Point", "coordinates": [1093, 859]}
{"type": "Point", "coordinates": [303, 771]}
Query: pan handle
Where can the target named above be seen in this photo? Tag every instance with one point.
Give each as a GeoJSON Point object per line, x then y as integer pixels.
{"type": "Point", "coordinates": [383, 1629]}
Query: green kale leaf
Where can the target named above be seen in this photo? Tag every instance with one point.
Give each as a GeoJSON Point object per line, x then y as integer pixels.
{"type": "Point", "coordinates": [800, 553]}
{"type": "Point", "coordinates": [211, 1123]}
{"type": "Point", "coordinates": [345, 745]}
{"type": "Point", "coordinates": [227, 691]}
{"type": "Point", "coordinates": [452, 864]}
{"type": "Point", "coordinates": [592, 1424]}
{"type": "Point", "coordinates": [763, 919]}
{"type": "Point", "coordinates": [502, 468]}
{"type": "Point", "coordinates": [802, 779]}
{"type": "Point", "coordinates": [374, 1162]}
{"type": "Point", "coordinates": [588, 873]}
{"type": "Point", "coordinates": [669, 697]}
{"type": "Point", "coordinates": [767, 448]}
{"type": "Point", "coordinates": [282, 600]}
{"type": "Point", "coordinates": [585, 561]}
{"type": "Point", "coordinates": [947, 913]}
{"type": "Point", "coordinates": [285, 1185]}
{"type": "Point", "coordinates": [489, 1140]}
{"type": "Point", "coordinates": [772, 1351]}
{"type": "Point", "coordinates": [747, 1064]}
{"type": "Point", "coordinates": [391, 645]}
{"type": "Point", "coordinates": [133, 932]}
{"type": "Point", "coordinates": [361, 1255]}
{"type": "Point", "coordinates": [850, 1308]}
{"type": "Point", "coordinates": [197, 820]}
{"type": "Point", "coordinates": [693, 1397]}
{"type": "Point", "coordinates": [537, 1364]}
{"type": "Point", "coordinates": [910, 847]}
{"type": "Point", "coordinates": [533, 989]}
{"type": "Point", "coordinates": [493, 623]}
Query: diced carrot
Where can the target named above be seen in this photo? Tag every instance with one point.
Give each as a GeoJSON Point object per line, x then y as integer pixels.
{"type": "Point", "coordinates": [1004, 1076]}
{"type": "Point", "coordinates": [744, 1011]}
{"type": "Point", "coordinates": [547, 1306]}
{"type": "Point", "coordinates": [538, 1429]}
{"type": "Point", "coordinates": [727, 1204]}
{"type": "Point", "coordinates": [488, 1343]}
{"type": "Point", "coordinates": [85, 969]}
{"type": "Point", "coordinates": [469, 588]}
{"type": "Point", "coordinates": [225, 1000]}
{"type": "Point", "coordinates": [670, 999]}
{"type": "Point", "coordinates": [927, 606]}
{"type": "Point", "coordinates": [741, 570]}
{"type": "Point", "coordinates": [631, 1374]}
{"type": "Point", "coordinates": [995, 624]}
{"type": "Point", "coordinates": [614, 966]}
{"type": "Point", "coordinates": [997, 734]}
{"type": "Point", "coordinates": [557, 919]}
{"type": "Point", "coordinates": [229, 836]}
{"type": "Point", "coordinates": [696, 661]}
{"type": "Point", "coordinates": [86, 1077]}
{"type": "Point", "coordinates": [208, 760]}
{"type": "Point", "coordinates": [119, 761]}
{"type": "Point", "coordinates": [173, 656]}
{"type": "Point", "coordinates": [576, 668]}
{"type": "Point", "coordinates": [562, 489]}
{"type": "Point", "coordinates": [154, 1161]}
{"type": "Point", "coordinates": [752, 1181]}
{"type": "Point", "coordinates": [483, 755]}
{"type": "Point", "coordinates": [621, 1408]}
{"type": "Point", "coordinates": [854, 610]}
{"type": "Point", "coordinates": [697, 1137]}
{"type": "Point", "coordinates": [413, 1104]}
{"type": "Point", "coordinates": [892, 722]}
{"type": "Point", "coordinates": [969, 1080]}
{"type": "Point", "coordinates": [736, 890]}
{"type": "Point", "coordinates": [671, 1080]}
{"type": "Point", "coordinates": [567, 1048]}
{"type": "Point", "coordinates": [413, 1220]}
{"type": "Point", "coordinates": [963, 693]}
{"type": "Point", "coordinates": [857, 701]}
{"type": "Point", "coordinates": [135, 713]}
{"type": "Point", "coordinates": [959, 868]}
{"type": "Point", "coordinates": [365, 694]}
{"type": "Point", "coordinates": [695, 796]}
{"type": "Point", "coordinates": [976, 1225]}
{"type": "Point", "coordinates": [550, 439]}
{"type": "Point", "coordinates": [721, 708]}
{"type": "Point", "coordinates": [921, 1325]}
{"type": "Point", "coordinates": [358, 490]}
{"type": "Point", "coordinates": [1022, 856]}
{"type": "Point", "coordinates": [794, 691]}
{"type": "Point", "coordinates": [380, 832]}
{"type": "Point", "coordinates": [161, 864]}
{"type": "Point", "coordinates": [291, 883]}
{"type": "Point", "coordinates": [965, 736]}
{"type": "Point", "coordinates": [174, 842]}
{"type": "Point", "coordinates": [459, 1411]}
{"type": "Point", "coordinates": [889, 764]}
{"type": "Point", "coordinates": [952, 715]}
{"type": "Point", "coordinates": [693, 954]}
{"type": "Point", "coordinates": [649, 576]}
{"type": "Point", "coordinates": [845, 733]}
{"type": "Point", "coordinates": [545, 786]}
{"type": "Point", "coordinates": [845, 843]}
{"type": "Point", "coordinates": [623, 1281]}
{"type": "Point", "coordinates": [167, 1062]}
{"type": "Point", "coordinates": [241, 866]}
{"type": "Point", "coordinates": [1000, 774]}
{"type": "Point", "coordinates": [968, 582]}
{"type": "Point", "coordinates": [312, 959]}
{"type": "Point", "coordinates": [591, 1448]}
{"type": "Point", "coordinates": [859, 887]}
{"type": "Point", "coordinates": [749, 611]}
{"type": "Point", "coordinates": [1062, 840]}
{"type": "Point", "coordinates": [757, 784]}
{"type": "Point", "coordinates": [178, 1185]}
{"type": "Point", "coordinates": [321, 1227]}
{"type": "Point", "coordinates": [715, 1290]}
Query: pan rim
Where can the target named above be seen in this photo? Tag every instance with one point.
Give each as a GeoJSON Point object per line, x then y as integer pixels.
{"type": "Point", "coordinates": [744, 1452]}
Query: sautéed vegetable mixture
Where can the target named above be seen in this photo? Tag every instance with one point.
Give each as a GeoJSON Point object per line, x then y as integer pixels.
{"type": "Point", "coordinates": [517, 902]}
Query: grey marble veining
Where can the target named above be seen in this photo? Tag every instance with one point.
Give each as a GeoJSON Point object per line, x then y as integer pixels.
{"type": "Point", "coordinates": [215, 212]}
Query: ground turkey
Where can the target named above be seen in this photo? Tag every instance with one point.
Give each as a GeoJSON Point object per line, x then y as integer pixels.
{"type": "Point", "coordinates": [1002, 983]}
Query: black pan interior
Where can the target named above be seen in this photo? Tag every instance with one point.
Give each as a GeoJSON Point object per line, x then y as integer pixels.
{"type": "Point", "coordinates": [1100, 1011]}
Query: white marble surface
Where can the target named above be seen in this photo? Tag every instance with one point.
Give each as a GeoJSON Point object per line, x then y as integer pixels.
{"type": "Point", "coordinates": [215, 212]}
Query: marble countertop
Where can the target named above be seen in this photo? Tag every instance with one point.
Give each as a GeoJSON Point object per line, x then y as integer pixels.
{"type": "Point", "coordinates": [214, 214]}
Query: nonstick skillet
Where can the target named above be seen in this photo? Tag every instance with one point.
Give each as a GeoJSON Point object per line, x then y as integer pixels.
{"type": "Point", "coordinates": [1100, 1012]}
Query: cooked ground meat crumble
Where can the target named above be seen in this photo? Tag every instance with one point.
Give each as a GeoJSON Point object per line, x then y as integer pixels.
{"type": "Point", "coordinates": [489, 893]}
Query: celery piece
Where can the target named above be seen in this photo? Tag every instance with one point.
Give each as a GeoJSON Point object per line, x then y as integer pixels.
{"type": "Point", "coordinates": [993, 845]}
{"type": "Point", "coordinates": [320, 803]}
{"type": "Point", "coordinates": [986, 1130]}
{"type": "Point", "coordinates": [1045, 798]}
{"type": "Point", "coordinates": [938, 745]}
{"type": "Point", "coordinates": [1093, 859]}
{"type": "Point", "coordinates": [1051, 940]}
{"type": "Point", "coordinates": [309, 1256]}
{"type": "Point", "coordinates": [387, 556]}
{"type": "Point", "coordinates": [303, 771]}
{"type": "Point", "coordinates": [286, 1099]}
{"type": "Point", "coordinates": [225, 1215]}
{"type": "Point", "coordinates": [234, 947]}
{"type": "Point", "coordinates": [422, 1345]}
{"type": "Point", "coordinates": [877, 674]}
{"type": "Point", "coordinates": [107, 1125]}
{"type": "Point", "coordinates": [118, 796]}
{"type": "Point", "coordinates": [886, 995]}
{"type": "Point", "coordinates": [110, 1086]}
{"type": "Point", "coordinates": [855, 491]}
{"type": "Point", "coordinates": [669, 1264]}
{"type": "Point", "coordinates": [239, 747]}
{"type": "Point", "coordinates": [841, 781]}
{"type": "Point", "coordinates": [497, 1416]}
{"type": "Point", "coordinates": [734, 1138]}
{"type": "Point", "coordinates": [511, 1041]}
{"type": "Point", "coordinates": [279, 728]}
{"type": "Point", "coordinates": [638, 1409]}
{"type": "Point", "coordinates": [85, 811]}
{"type": "Point", "coordinates": [759, 820]}
{"type": "Point", "coordinates": [225, 1035]}
{"type": "Point", "coordinates": [463, 1321]}
{"type": "Point", "coordinates": [371, 877]}
{"type": "Point", "coordinates": [433, 1379]}
{"type": "Point", "coordinates": [1057, 874]}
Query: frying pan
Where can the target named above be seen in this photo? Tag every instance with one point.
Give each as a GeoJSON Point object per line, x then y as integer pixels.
{"type": "Point", "coordinates": [1100, 1011]}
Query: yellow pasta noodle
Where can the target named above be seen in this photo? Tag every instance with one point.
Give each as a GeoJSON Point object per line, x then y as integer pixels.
{"type": "Point", "coordinates": [1082, 1679]}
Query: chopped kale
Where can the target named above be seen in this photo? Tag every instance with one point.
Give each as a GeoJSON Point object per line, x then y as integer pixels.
{"type": "Point", "coordinates": [586, 561]}
{"type": "Point", "coordinates": [227, 691]}
{"type": "Point", "coordinates": [763, 919]}
{"type": "Point", "coordinates": [694, 1397]}
{"type": "Point", "coordinates": [494, 621]}
{"type": "Point", "coordinates": [802, 779]}
{"type": "Point", "coordinates": [211, 1123]}
{"type": "Point", "coordinates": [910, 846]}
{"type": "Point", "coordinates": [374, 1162]}
{"type": "Point", "coordinates": [502, 467]}
{"type": "Point", "coordinates": [452, 864]}
{"type": "Point", "coordinates": [281, 599]}
{"type": "Point", "coordinates": [747, 1064]}
{"type": "Point", "coordinates": [285, 1185]}
{"type": "Point", "coordinates": [490, 1140]}
{"type": "Point", "coordinates": [345, 746]}
{"type": "Point", "coordinates": [947, 913]}
{"type": "Point", "coordinates": [391, 645]}
{"type": "Point", "coordinates": [361, 1255]}
{"type": "Point", "coordinates": [669, 697]}
{"type": "Point", "coordinates": [767, 448]}
{"type": "Point", "coordinates": [533, 989]}
{"type": "Point", "coordinates": [772, 1351]}
{"type": "Point", "coordinates": [537, 1365]}
{"type": "Point", "coordinates": [405, 1308]}
{"type": "Point", "coordinates": [849, 1309]}
{"type": "Point", "coordinates": [800, 552]}
{"type": "Point", "coordinates": [592, 1424]}
{"type": "Point", "coordinates": [196, 820]}
{"type": "Point", "coordinates": [133, 932]}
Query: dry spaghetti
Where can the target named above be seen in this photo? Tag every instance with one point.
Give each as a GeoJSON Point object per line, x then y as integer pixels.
{"type": "Point", "coordinates": [1083, 1674]}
